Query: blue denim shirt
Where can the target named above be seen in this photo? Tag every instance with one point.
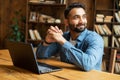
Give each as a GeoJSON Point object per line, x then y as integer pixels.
{"type": "Point", "coordinates": [86, 54]}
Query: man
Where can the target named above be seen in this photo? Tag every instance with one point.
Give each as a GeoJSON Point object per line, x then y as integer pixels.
{"type": "Point", "coordinates": [78, 46]}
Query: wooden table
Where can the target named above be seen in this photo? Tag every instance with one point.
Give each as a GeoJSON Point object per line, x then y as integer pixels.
{"type": "Point", "coordinates": [69, 72]}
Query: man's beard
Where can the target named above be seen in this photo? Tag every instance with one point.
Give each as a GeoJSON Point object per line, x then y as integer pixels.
{"type": "Point", "coordinates": [77, 29]}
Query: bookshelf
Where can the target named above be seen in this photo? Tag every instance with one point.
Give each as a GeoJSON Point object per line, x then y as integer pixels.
{"type": "Point", "coordinates": [40, 15]}
{"type": "Point", "coordinates": [107, 24]}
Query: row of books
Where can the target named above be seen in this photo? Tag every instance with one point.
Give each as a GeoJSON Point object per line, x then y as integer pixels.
{"type": "Point", "coordinates": [102, 29]}
{"type": "Point", "coordinates": [117, 16]}
{"type": "Point", "coordinates": [38, 17]}
{"type": "Point", "coordinates": [115, 41]}
{"type": "Point", "coordinates": [48, 1]}
{"type": "Point", "coordinates": [116, 68]}
{"type": "Point", "coordinates": [43, 1]}
{"type": "Point", "coordinates": [34, 34]}
{"type": "Point", "coordinates": [103, 18]}
{"type": "Point", "coordinates": [116, 29]}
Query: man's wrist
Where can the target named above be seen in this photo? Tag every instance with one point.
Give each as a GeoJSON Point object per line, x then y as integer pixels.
{"type": "Point", "coordinates": [47, 42]}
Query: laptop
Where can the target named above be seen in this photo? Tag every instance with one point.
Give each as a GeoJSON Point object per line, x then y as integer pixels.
{"type": "Point", "coordinates": [23, 56]}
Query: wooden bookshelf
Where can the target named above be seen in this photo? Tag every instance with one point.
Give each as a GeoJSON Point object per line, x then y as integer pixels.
{"type": "Point", "coordinates": [41, 16]}
{"type": "Point", "coordinates": [104, 14]}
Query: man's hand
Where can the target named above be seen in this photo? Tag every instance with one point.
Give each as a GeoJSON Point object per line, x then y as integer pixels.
{"type": "Point", "coordinates": [54, 34]}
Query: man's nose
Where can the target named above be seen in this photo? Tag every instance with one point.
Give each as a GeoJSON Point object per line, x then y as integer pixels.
{"type": "Point", "coordinates": [81, 20]}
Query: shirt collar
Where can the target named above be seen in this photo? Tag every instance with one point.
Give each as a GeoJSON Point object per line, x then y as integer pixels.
{"type": "Point", "coordinates": [82, 35]}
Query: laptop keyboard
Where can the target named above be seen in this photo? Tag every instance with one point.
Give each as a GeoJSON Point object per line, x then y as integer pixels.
{"type": "Point", "coordinates": [43, 67]}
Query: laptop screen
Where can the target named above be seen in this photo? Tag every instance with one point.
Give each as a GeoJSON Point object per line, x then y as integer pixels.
{"type": "Point", "coordinates": [22, 55]}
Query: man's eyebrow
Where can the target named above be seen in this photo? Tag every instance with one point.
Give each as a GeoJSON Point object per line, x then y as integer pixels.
{"type": "Point", "coordinates": [78, 14]}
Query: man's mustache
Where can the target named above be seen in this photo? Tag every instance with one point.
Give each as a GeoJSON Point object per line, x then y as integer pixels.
{"type": "Point", "coordinates": [80, 24]}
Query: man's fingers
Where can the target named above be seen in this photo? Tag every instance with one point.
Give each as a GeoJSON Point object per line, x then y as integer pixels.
{"type": "Point", "coordinates": [58, 30]}
{"type": "Point", "coordinates": [53, 29]}
{"type": "Point", "coordinates": [61, 32]}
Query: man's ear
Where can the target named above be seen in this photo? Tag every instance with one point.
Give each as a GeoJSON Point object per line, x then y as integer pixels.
{"type": "Point", "coordinates": [66, 22]}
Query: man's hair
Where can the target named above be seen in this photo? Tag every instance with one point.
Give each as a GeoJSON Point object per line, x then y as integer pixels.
{"type": "Point", "coordinates": [71, 6]}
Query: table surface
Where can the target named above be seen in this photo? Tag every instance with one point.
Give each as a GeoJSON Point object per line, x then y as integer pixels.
{"type": "Point", "coordinates": [68, 72]}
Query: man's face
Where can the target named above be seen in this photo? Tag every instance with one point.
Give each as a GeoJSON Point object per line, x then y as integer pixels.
{"type": "Point", "coordinates": [77, 20]}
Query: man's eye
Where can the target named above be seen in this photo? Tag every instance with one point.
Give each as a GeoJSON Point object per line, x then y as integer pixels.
{"type": "Point", "coordinates": [75, 17]}
{"type": "Point", "coordinates": [84, 16]}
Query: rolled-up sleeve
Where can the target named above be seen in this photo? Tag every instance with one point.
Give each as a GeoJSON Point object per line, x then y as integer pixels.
{"type": "Point", "coordinates": [46, 51]}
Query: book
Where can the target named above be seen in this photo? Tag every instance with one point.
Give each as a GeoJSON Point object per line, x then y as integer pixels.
{"type": "Point", "coordinates": [101, 29]}
{"type": "Point", "coordinates": [119, 39]}
{"type": "Point", "coordinates": [32, 36]}
{"type": "Point", "coordinates": [116, 29]}
{"type": "Point", "coordinates": [117, 17]}
{"type": "Point", "coordinates": [103, 65]}
{"type": "Point", "coordinates": [34, 1]}
{"type": "Point", "coordinates": [37, 35]}
{"type": "Point", "coordinates": [115, 42]}
{"type": "Point", "coordinates": [46, 18]}
{"type": "Point", "coordinates": [64, 1]}
{"type": "Point", "coordinates": [100, 15]}
{"type": "Point", "coordinates": [117, 67]}
{"type": "Point", "coordinates": [112, 60]}
{"type": "Point", "coordinates": [117, 4]}
{"type": "Point", "coordinates": [119, 14]}
{"type": "Point", "coordinates": [107, 29]}
{"type": "Point", "coordinates": [43, 1]}
{"type": "Point", "coordinates": [97, 29]}
{"type": "Point", "coordinates": [105, 38]}
{"type": "Point", "coordinates": [118, 57]}
{"type": "Point", "coordinates": [108, 18]}
{"type": "Point", "coordinates": [61, 1]}
{"type": "Point", "coordinates": [99, 18]}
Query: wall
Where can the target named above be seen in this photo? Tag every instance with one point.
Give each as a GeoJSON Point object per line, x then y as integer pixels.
{"type": "Point", "coordinates": [7, 13]}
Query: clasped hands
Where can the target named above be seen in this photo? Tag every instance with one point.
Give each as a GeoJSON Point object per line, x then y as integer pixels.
{"type": "Point", "coordinates": [54, 34]}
